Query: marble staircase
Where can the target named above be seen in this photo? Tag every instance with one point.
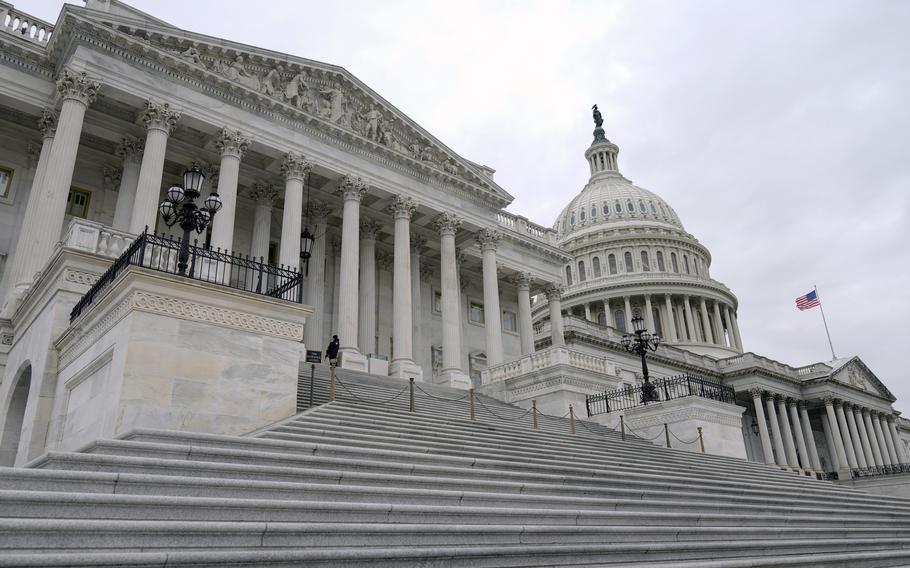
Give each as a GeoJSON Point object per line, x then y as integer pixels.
{"type": "Point", "coordinates": [363, 481]}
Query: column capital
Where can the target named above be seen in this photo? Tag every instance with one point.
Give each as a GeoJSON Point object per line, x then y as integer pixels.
{"type": "Point", "coordinates": [385, 261]}
{"type": "Point", "coordinates": [553, 291]}
{"type": "Point", "coordinates": [159, 116]}
{"type": "Point", "coordinates": [791, 402]}
{"type": "Point", "coordinates": [295, 166]}
{"type": "Point", "coordinates": [369, 229]}
{"type": "Point", "coordinates": [47, 123]}
{"type": "Point", "coordinates": [447, 223]}
{"type": "Point", "coordinates": [838, 403]}
{"type": "Point", "coordinates": [232, 143]}
{"type": "Point", "coordinates": [403, 207]}
{"type": "Point", "coordinates": [778, 398]}
{"type": "Point", "coordinates": [110, 178]}
{"type": "Point", "coordinates": [757, 392]}
{"type": "Point", "coordinates": [77, 86]}
{"type": "Point", "coordinates": [263, 193]}
{"type": "Point", "coordinates": [523, 280]}
{"type": "Point", "coordinates": [889, 418]}
{"type": "Point", "coordinates": [488, 239]}
{"type": "Point", "coordinates": [417, 243]}
{"type": "Point", "coordinates": [317, 210]}
{"type": "Point", "coordinates": [802, 404]}
{"type": "Point", "coordinates": [865, 411]}
{"type": "Point", "coordinates": [351, 188]}
{"type": "Point", "coordinates": [829, 400]}
{"type": "Point", "coordinates": [130, 149]}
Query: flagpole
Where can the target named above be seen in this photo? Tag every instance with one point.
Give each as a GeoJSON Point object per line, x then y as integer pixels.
{"type": "Point", "coordinates": [825, 321]}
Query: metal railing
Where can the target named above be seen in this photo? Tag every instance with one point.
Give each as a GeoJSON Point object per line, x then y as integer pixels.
{"type": "Point", "coordinates": [879, 470]}
{"type": "Point", "coordinates": [222, 268]}
{"type": "Point", "coordinates": [668, 388]}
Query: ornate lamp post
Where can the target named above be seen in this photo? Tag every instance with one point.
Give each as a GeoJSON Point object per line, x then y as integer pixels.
{"type": "Point", "coordinates": [306, 238]}
{"type": "Point", "coordinates": [641, 343]}
{"type": "Point", "coordinates": [180, 207]}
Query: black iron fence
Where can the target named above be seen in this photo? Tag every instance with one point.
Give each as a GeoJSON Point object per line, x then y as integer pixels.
{"type": "Point", "coordinates": [668, 388]}
{"type": "Point", "coordinates": [222, 268]}
{"type": "Point", "coordinates": [879, 470]}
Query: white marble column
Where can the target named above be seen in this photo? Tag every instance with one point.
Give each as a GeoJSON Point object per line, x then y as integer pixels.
{"type": "Point", "coordinates": [295, 169]}
{"type": "Point", "coordinates": [858, 448]}
{"type": "Point", "coordinates": [786, 432]}
{"type": "Point", "coordinates": [554, 297]}
{"type": "Point", "coordinates": [762, 425]}
{"type": "Point", "coordinates": [402, 364]}
{"type": "Point", "coordinates": [263, 195]}
{"type": "Point", "coordinates": [873, 441]}
{"type": "Point", "coordinates": [24, 263]}
{"type": "Point", "coordinates": [525, 324]}
{"type": "Point", "coordinates": [130, 150]}
{"type": "Point", "coordinates": [803, 454]}
{"type": "Point", "coordinates": [316, 281]}
{"type": "Point", "coordinates": [352, 190]}
{"type": "Point", "coordinates": [649, 315]}
{"type": "Point", "coordinates": [588, 312]}
{"type": "Point", "coordinates": [690, 320]}
{"type": "Point", "coordinates": [718, 326]}
{"type": "Point", "coordinates": [832, 448]}
{"type": "Point", "coordinates": [159, 120]}
{"type": "Point", "coordinates": [845, 434]}
{"type": "Point", "coordinates": [77, 92]}
{"type": "Point", "coordinates": [779, 450]}
{"type": "Point", "coordinates": [452, 373]}
{"type": "Point", "coordinates": [863, 435]}
{"type": "Point", "coordinates": [896, 438]}
{"type": "Point", "coordinates": [417, 341]}
{"type": "Point", "coordinates": [671, 319]}
{"type": "Point", "coordinates": [627, 306]}
{"type": "Point", "coordinates": [366, 338]}
{"type": "Point", "coordinates": [736, 336]}
{"type": "Point", "coordinates": [487, 240]}
{"type": "Point", "coordinates": [232, 146]}
{"type": "Point", "coordinates": [889, 439]}
{"type": "Point", "coordinates": [706, 321]}
{"type": "Point", "coordinates": [887, 459]}
{"type": "Point", "coordinates": [807, 433]}
{"type": "Point", "coordinates": [834, 430]}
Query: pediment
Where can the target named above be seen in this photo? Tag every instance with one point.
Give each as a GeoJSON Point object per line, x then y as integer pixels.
{"type": "Point", "coordinates": [318, 94]}
{"type": "Point", "coordinates": [855, 374]}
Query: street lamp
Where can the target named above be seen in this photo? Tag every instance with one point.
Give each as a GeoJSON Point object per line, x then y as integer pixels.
{"type": "Point", "coordinates": [180, 207]}
{"type": "Point", "coordinates": [306, 238]}
{"type": "Point", "coordinates": [641, 343]}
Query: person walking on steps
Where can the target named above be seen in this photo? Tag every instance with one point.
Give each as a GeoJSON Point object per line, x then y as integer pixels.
{"type": "Point", "coordinates": [331, 352]}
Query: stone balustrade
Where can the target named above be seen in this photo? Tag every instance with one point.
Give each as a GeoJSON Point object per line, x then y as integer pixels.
{"type": "Point", "coordinates": [96, 238]}
{"type": "Point", "coordinates": [544, 359]}
{"type": "Point", "coordinates": [28, 27]}
{"type": "Point", "coordinates": [523, 226]}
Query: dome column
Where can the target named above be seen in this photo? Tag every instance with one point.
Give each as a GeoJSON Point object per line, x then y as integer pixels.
{"type": "Point", "coordinates": [628, 313]}
{"type": "Point", "coordinates": [731, 330]}
{"type": "Point", "coordinates": [649, 314]}
{"type": "Point", "coordinates": [706, 321]}
{"type": "Point", "coordinates": [671, 320]}
{"type": "Point", "coordinates": [735, 325]}
{"type": "Point", "coordinates": [718, 326]}
{"type": "Point", "coordinates": [690, 321]}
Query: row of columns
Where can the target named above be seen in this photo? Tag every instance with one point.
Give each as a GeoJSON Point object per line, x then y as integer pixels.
{"type": "Point", "coordinates": [857, 437]}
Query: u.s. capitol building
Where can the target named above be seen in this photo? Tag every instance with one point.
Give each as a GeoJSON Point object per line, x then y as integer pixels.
{"type": "Point", "coordinates": [324, 210]}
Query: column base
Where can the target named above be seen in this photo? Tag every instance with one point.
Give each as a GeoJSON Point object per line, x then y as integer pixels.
{"type": "Point", "coordinates": [353, 360]}
{"type": "Point", "coordinates": [455, 378]}
{"type": "Point", "coordinates": [405, 369]}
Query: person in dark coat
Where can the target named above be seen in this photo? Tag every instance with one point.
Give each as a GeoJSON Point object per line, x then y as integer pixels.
{"type": "Point", "coordinates": [331, 352]}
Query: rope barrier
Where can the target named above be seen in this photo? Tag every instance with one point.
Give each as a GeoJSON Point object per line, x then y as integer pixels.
{"type": "Point", "coordinates": [340, 382]}
{"type": "Point", "coordinates": [639, 436]}
{"type": "Point", "coordinates": [440, 397]}
{"type": "Point", "coordinates": [683, 441]}
{"type": "Point", "coordinates": [525, 413]}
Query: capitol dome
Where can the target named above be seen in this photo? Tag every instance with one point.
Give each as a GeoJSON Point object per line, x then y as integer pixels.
{"type": "Point", "coordinates": [633, 257]}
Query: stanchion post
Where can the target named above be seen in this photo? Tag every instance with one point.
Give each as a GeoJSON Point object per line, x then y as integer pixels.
{"type": "Point", "coordinates": [312, 378]}
{"type": "Point", "coordinates": [667, 434]}
{"type": "Point", "coordinates": [701, 440]}
{"type": "Point", "coordinates": [471, 403]}
{"type": "Point", "coordinates": [534, 412]}
{"type": "Point", "coordinates": [572, 418]}
{"type": "Point", "coordinates": [411, 384]}
{"type": "Point", "coordinates": [332, 382]}
{"type": "Point", "coordinates": [622, 427]}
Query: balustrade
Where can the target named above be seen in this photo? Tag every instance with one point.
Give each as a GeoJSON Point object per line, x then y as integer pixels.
{"type": "Point", "coordinates": [28, 27]}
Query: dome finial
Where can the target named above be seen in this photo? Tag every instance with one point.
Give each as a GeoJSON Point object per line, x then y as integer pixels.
{"type": "Point", "coordinates": [599, 133]}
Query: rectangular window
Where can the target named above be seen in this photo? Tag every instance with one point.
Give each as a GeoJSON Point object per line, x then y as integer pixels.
{"type": "Point", "coordinates": [6, 182]}
{"type": "Point", "coordinates": [437, 301]}
{"type": "Point", "coordinates": [509, 321]}
{"type": "Point", "coordinates": [77, 202]}
{"type": "Point", "coordinates": [475, 312]}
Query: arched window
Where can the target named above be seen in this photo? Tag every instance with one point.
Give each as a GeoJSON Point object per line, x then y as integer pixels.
{"type": "Point", "coordinates": [593, 211]}
{"type": "Point", "coordinates": [606, 209]}
{"type": "Point", "coordinates": [629, 207]}
{"type": "Point", "coordinates": [572, 219]}
{"type": "Point", "coordinates": [581, 215]}
{"type": "Point", "coordinates": [619, 316]}
{"type": "Point", "coordinates": [653, 210]}
{"type": "Point", "coordinates": [582, 275]}
{"type": "Point", "coordinates": [660, 261]}
{"type": "Point", "coordinates": [568, 275]}
{"type": "Point", "coordinates": [645, 262]}
{"type": "Point", "coordinates": [595, 264]}
{"type": "Point", "coordinates": [617, 208]}
{"type": "Point", "coordinates": [641, 206]}
{"type": "Point", "coordinates": [601, 318]}
{"type": "Point", "coordinates": [662, 210]}
{"type": "Point", "coordinates": [673, 262]}
{"type": "Point", "coordinates": [686, 263]}
{"type": "Point", "coordinates": [611, 262]}
{"type": "Point", "coordinates": [628, 258]}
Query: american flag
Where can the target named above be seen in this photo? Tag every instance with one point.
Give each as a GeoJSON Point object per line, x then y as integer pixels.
{"type": "Point", "coordinates": [810, 300]}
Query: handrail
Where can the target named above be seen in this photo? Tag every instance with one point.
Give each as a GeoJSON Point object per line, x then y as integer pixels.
{"type": "Point", "coordinates": [661, 390]}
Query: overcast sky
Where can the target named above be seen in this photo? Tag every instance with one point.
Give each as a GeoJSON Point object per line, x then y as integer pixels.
{"type": "Point", "coordinates": [777, 130]}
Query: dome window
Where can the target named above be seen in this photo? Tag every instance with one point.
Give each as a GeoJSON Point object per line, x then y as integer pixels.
{"type": "Point", "coordinates": [660, 262]}
{"type": "Point", "coordinates": [673, 262]}
{"type": "Point", "coordinates": [628, 258]}
{"type": "Point", "coordinates": [568, 276]}
{"type": "Point", "coordinates": [594, 211]}
{"type": "Point", "coordinates": [595, 265]}
{"type": "Point", "coordinates": [629, 207]}
{"type": "Point", "coordinates": [645, 261]}
{"type": "Point", "coordinates": [572, 219]}
{"type": "Point", "coordinates": [619, 316]}
{"type": "Point", "coordinates": [581, 215]}
{"type": "Point", "coordinates": [653, 210]}
{"type": "Point", "coordinates": [618, 208]}
{"type": "Point", "coordinates": [686, 263]}
{"type": "Point", "coordinates": [606, 209]}
{"type": "Point", "coordinates": [582, 274]}
{"type": "Point", "coordinates": [611, 263]}
{"type": "Point", "coordinates": [641, 206]}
